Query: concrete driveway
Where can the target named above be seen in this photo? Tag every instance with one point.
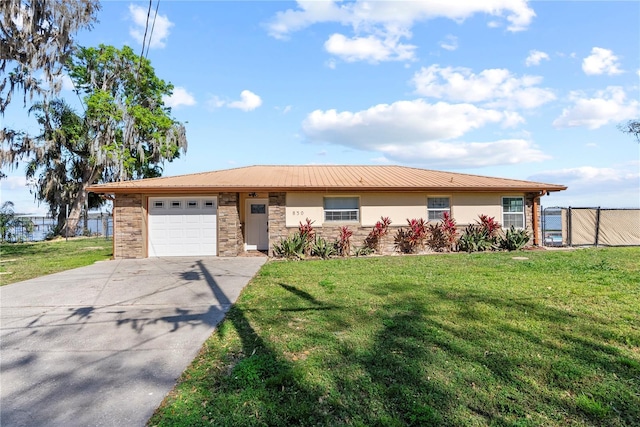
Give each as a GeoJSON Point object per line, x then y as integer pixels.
{"type": "Point", "coordinates": [102, 345]}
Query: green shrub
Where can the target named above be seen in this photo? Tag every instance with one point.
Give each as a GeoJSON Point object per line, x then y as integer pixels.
{"type": "Point", "coordinates": [475, 238]}
{"type": "Point", "coordinates": [362, 251]}
{"type": "Point", "coordinates": [513, 239]}
{"type": "Point", "coordinates": [322, 248]}
{"type": "Point", "coordinates": [292, 247]}
{"type": "Point", "coordinates": [481, 236]}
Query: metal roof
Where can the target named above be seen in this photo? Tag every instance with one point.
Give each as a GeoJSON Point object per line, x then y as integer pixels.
{"type": "Point", "coordinates": [323, 178]}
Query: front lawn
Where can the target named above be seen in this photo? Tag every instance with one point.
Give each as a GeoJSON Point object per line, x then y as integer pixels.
{"type": "Point", "coordinates": [22, 261]}
{"type": "Point", "coordinates": [459, 339]}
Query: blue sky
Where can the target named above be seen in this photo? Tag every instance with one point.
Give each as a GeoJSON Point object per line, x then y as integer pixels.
{"type": "Point", "coordinates": [509, 88]}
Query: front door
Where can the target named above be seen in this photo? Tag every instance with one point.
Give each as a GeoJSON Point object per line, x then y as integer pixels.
{"type": "Point", "coordinates": [257, 217]}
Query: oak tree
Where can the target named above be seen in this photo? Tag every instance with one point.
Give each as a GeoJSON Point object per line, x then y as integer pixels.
{"type": "Point", "coordinates": [36, 39]}
{"type": "Point", "coordinates": [126, 132]}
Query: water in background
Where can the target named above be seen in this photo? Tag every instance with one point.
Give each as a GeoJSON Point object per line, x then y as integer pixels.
{"type": "Point", "coordinates": [43, 225]}
{"type": "Point", "coordinates": [552, 222]}
{"type": "Point", "coordinates": [552, 227]}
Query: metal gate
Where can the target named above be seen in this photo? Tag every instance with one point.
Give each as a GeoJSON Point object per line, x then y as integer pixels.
{"type": "Point", "coordinates": [590, 227]}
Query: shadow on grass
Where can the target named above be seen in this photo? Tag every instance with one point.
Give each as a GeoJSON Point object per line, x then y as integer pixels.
{"type": "Point", "coordinates": [414, 366]}
{"type": "Point", "coordinates": [543, 354]}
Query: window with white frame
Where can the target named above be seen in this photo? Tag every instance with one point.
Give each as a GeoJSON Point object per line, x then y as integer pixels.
{"type": "Point", "coordinates": [341, 209]}
{"type": "Point", "coordinates": [436, 206]}
{"type": "Point", "coordinates": [513, 212]}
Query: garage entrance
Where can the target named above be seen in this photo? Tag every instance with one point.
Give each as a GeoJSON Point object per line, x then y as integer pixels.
{"type": "Point", "coordinates": [182, 226]}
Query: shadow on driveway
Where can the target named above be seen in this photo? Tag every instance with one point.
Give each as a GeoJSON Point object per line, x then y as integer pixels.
{"type": "Point", "coordinates": [103, 344]}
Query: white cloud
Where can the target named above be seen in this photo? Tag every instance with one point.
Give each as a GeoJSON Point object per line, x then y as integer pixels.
{"type": "Point", "coordinates": [249, 101]}
{"type": "Point", "coordinates": [402, 121]}
{"type": "Point", "coordinates": [495, 87]}
{"type": "Point", "coordinates": [179, 97]}
{"type": "Point", "coordinates": [379, 26]}
{"type": "Point", "coordinates": [585, 174]}
{"type": "Point", "coordinates": [617, 186]}
{"type": "Point", "coordinates": [449, 43]}
{"type": "Point", "coordinates": [467, 154]}
{"type": "Point", "coordinates": [371, 48]}
{"type": "Point", "coordinates": [67, 83]}
{"type": "Point", "coordinates": [160, 27]}
{"type": "Point", "coordinates": [535, 57]}
{"type": "Point", "coordinates": [215, 102]}
{"type": "Point", "coordinates": [416, 131]}
{"type": "Point", "coordinates": [601, 61]}
{"type": "Point", "coordinates": [607, 106]}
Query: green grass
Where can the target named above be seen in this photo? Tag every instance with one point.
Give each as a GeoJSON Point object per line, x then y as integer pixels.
{"type": "Point", "coordinates": [460, 339]}
{"type": "Point", "coordinates": [22, 261]}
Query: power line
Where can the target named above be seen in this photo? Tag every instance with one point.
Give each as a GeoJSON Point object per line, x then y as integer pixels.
{"type": "Point", "coordinates": [152, 27]}
{"type": "Point", "coordinates": [146, 27]}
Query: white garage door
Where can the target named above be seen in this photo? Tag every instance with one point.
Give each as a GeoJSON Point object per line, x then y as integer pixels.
{"type": "Point", "coordinates": [182, 226]}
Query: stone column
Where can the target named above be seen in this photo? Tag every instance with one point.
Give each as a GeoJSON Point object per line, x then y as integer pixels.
{"type": "Point", "coordinates": [230, 241]}
{"type": "Point", "coordinates": [128, 233]}
{"type": "Point", "coordinates": [277, 218]}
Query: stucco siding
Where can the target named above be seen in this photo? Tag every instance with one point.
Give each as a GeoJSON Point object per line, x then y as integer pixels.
{"type": "Point", "coordinates": [465, 208]}
{"type": "Point", "coordinates": [397, 206]}
{"type": "Point", "coordinates": [300, 206]}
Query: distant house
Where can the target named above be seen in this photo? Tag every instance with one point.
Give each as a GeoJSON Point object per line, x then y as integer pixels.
{"type": "Point", "coordinates": [228, 212]}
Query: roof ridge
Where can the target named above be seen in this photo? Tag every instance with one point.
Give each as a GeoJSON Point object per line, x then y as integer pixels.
{"type": "Point", "coordinates": [332, 176]}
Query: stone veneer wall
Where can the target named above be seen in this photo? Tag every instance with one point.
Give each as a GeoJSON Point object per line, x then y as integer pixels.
{"type": "Point", "coordinates": [230, 241]}
{"type": "Point", "coordinates": [128, 228]}
{"type": "Point", "coordinates": [277, 217]}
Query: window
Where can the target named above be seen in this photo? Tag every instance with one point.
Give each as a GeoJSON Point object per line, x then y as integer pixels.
{"type": "Point", "coordinates": [436, 206]}
{"type": "Point", "coordinates": [192, 204]}
{"type": "Point", "coordinates": [158, 204]}
{"type": "Point", "coordinates": [208, 203]}
{"type": "Point", "coordinates": [341, 209]}
{"type": "Point", "coordinates": [513, 212]}
{"type": "Point", "coordinates": [258, 209]}
{"type": "Point", "coordinates": [176, 204]}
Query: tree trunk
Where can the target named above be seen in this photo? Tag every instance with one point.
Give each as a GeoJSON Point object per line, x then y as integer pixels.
{"type": "Point", "coordinates": [62, 219]}
{"type": "Point", "coordinates": [75, 210]}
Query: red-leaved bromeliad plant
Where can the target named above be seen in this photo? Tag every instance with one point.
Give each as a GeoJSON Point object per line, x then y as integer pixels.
{"type": "Point", "coordinates": [489, 225]}
{"type": "Point", "coordinates": [379, 231]}
{"type": "Point", "coordinates": [344, 241]}
{"type": "Point", "coordinates": [443, 234]}
{"type": "Point", "coordinates": [308, 234]}
{"type": "Point", "coordinates": [413, 239]}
